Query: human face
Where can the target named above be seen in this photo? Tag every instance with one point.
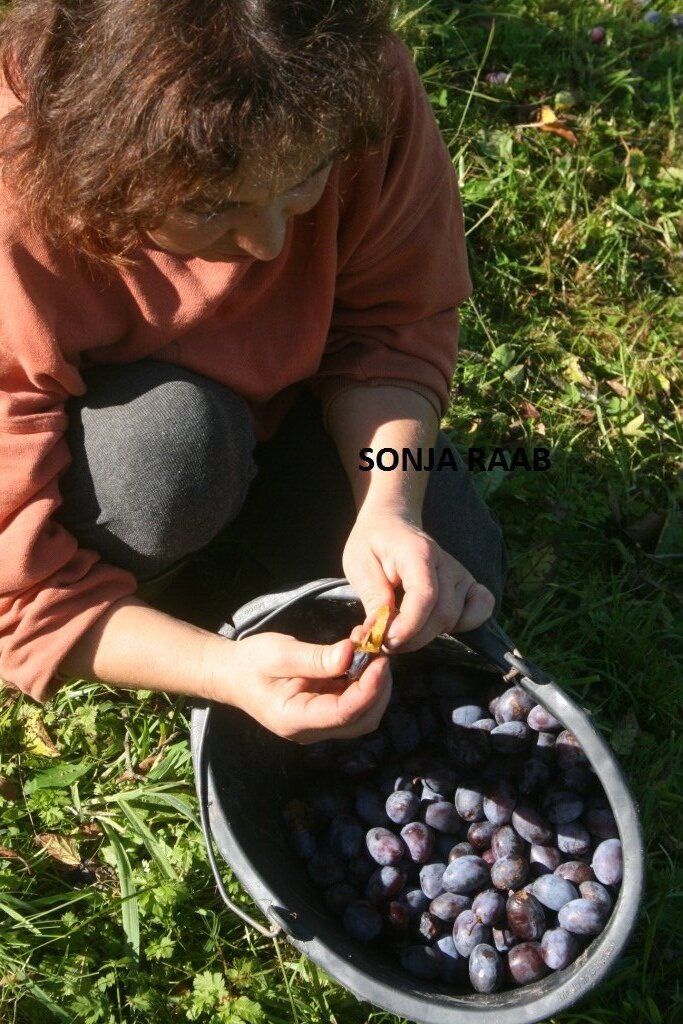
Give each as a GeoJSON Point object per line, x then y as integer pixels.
{"type": "Point", "coordinates": [250, 224]}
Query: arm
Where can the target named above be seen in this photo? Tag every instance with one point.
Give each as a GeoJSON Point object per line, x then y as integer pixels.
{"type": "Point", "coordinates": [292, 688]}
{"type": "Point", "coordinates": [387, 547]}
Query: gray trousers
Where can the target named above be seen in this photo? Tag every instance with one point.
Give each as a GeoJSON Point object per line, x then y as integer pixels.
{"type": "Point", "coordinates": [165, 466]}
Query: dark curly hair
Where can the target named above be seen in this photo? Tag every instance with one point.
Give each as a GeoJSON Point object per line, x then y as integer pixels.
{"type": "Point", "coordinates": [129, 107]}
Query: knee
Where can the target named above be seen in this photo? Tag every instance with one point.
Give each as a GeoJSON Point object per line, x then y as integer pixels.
{"type": "Point", "coordinates": [162, 460]}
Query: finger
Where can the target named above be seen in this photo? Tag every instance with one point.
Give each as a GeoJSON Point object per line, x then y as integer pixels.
{"type": "Point", "coordinates": [372, 587]}
{"type": "Point", "coordinates": [334, 712]}
{"type": "Point", "coordinates": [370, 720]}
{"type": "Point", "coordinates": [314, 661]}
{"type": "Point", "coordinates": [446, 611]}
{"type": "Point", "coordinates": [478, 607]}
{"type": "Point", "coordinates": [421, 590]}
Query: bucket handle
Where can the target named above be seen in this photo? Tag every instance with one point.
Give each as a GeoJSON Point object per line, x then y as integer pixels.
{"type": "Point", "coordinates": [489, 640]}
{"type": "Point", "coordinates": [203, 794]}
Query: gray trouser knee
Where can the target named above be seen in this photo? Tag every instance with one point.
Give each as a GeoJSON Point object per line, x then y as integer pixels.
{"type": "Point", "coordinates": [161, 461]}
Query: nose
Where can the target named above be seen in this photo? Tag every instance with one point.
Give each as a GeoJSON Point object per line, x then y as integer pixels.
{"type": "Point", "coordinates": [261, 233]}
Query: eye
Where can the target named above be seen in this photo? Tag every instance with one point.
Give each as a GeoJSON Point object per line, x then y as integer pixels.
{"type": "Point", "coordinates": [205, 210]}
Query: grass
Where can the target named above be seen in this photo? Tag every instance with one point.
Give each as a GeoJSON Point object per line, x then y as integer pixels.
{"type": "Point", "coordinates": [572, 341]}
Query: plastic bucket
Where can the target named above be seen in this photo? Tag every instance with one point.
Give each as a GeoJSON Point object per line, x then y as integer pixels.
{"type": "Point", "coordinates": [245, 774]}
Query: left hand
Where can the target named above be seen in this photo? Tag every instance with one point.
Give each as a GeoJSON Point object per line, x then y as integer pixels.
{"type": "Point", "coordinates": [386, 550]}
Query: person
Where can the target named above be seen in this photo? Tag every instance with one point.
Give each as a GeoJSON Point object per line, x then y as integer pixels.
{"type": "Point", "coordinates": [232, 258]}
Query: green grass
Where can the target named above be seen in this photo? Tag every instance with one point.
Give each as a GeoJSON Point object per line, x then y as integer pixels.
{"type": "Point", "coordinates": [572, 341]}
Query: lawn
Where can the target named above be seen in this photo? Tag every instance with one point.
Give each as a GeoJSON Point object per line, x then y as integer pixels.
{"type": "Point", "coordinates": [571, 342]}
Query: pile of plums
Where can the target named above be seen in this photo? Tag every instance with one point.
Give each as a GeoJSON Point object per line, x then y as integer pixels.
{"type": "Point", "coordinates": [468, 836]}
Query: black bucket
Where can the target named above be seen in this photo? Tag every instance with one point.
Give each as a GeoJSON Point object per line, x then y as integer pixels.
{"type": "Point", "coordinates": [245, 774]}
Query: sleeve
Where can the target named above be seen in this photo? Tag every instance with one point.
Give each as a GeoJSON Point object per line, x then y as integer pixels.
{"type": "Point", "coordinates": [51, 591]}
{"type": "Point", "coordinates": [402, 259]}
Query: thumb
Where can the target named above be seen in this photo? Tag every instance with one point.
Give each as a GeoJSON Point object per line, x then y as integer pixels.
{"type": "Point", "coordinates": [319, 661]}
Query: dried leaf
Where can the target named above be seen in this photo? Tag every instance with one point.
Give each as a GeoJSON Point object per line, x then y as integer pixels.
{"type": "Point", "coordinates": [558, 129]}
{"type": "Point", "coordinates": [528, 411]}
{"type": "Point", "coordinates": [8, 854]}
{"type": "Point", "coordinates": [149, 762]}
{"type": "Point", "coordinates": [37, 740]}
{"type": "Point", "coordinates": [59, 848]}
{"type": "Point", "coordinates": [91, 830]}
{"type": "Point", "coordinates": [547, 115]}
{"type": "Point", "coordinates": [618, 388]}
{"type": "Point", "coordinates": [548, 121]}
{"type": "Point", "coordinates": [9, 789]}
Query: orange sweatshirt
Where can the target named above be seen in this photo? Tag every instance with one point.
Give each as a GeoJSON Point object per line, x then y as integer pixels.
{"type": "Point", "coordinates": [365, 290]}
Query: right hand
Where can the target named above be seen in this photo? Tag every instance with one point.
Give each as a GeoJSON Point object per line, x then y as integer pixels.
{"type": "Point", "coordinates": [297, 690]}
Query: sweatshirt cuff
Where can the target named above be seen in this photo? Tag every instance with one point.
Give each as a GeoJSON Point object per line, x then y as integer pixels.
{"type": "Point", "coordinates": [328, 390]}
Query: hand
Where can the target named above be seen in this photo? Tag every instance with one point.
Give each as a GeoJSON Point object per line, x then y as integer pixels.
{"type": "Point", "coordinates": [386, 550]}
{"type": "Point", "coordinates": [296, 689]}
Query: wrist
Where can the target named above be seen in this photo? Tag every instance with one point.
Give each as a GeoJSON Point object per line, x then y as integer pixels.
{"type": "Point", "coordinates": [398, 506]}
{"type": "Point", "coordinates": [217, 670]}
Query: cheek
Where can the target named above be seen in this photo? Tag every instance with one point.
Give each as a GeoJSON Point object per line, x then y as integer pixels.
{"type": "Point", "coordinates": [307, 200]}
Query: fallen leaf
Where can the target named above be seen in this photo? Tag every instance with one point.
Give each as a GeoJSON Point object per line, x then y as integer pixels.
{"type": "Point", "coordinates": [586, 415]}
{"type": "Point", "coordinates": [91, 829]}
{"type": "Point", "coordinates": [618, 388]}
{"type": "Point", "coordinates": [9, 789]}
{"type": "Point", "coordinates": [148, 763]}
{"type": "Point", "coordinates": [8, 854]}
{"type": "Point", "coordinates": [548, 121]}
{"type": "Point", "coordinates": [37, 739]}
{"type": "Point", "coordinates": [59, 848]}
{"type": "Point", "coordinates": [528, 411]}
{"type": "Point", "coordinates": [546, 115]}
